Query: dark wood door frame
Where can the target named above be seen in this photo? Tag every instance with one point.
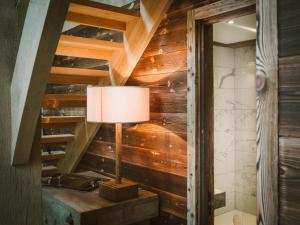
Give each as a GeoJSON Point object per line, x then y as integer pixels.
{"type": "Point", "coordinates": [200, 185]}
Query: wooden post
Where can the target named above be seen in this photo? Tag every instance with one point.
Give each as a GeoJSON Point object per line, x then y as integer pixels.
{"type": "Point", "coordinates": [267, 113]}
{"type": "Point", "coordinates": [118, 153]}
{"type": "Point", "coordinates": [42, 27]}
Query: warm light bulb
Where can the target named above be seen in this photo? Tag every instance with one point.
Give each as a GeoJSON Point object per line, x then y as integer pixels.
{"type": "Point", "coordinates": [230, 22]}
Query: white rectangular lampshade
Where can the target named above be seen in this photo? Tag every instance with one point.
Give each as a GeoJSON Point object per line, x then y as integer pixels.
{"type": "Point", "coordinates": [94, 104]}
{"type": "Point", "coordinates": [118, 104]}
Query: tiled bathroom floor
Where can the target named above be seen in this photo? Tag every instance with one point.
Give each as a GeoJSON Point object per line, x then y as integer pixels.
{"type": "Point", "coordinates": [227, 218]}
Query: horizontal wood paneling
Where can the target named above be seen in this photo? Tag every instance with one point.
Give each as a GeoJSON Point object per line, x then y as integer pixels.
{"type": "Point", "coordinates": [289, 111]}
{"type": "Point", "coordinates": [154, 139]}
{"type": "Point", "coordinates": [164, 181]}
{"type": "Point", "coordinates": [158, 160]}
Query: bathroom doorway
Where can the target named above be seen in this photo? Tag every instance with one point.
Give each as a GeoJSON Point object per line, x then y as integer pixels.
{"type": "Point", "coordinates": [227, 69]}
{"type": "Point", "coordinates": [222, 109]}
{"type": "Point", "coordinates": [234, 91]}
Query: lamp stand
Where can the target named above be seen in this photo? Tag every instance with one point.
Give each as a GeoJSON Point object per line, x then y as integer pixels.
{"type": "Point", "coordinates": [118, 132]}
{"type": "Point", "coordinates": [118, 189]}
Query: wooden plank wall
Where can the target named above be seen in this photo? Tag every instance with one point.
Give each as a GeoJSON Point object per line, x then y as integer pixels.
{"type": "Point", "coordinates": [289, 111]}
{"type": "Point", "coordinates": [155, 153]}
{"type": "Point", "coordinates": [20, 187]}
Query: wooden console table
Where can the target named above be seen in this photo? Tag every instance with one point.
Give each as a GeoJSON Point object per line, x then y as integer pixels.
{"type": "Point", "coordinates": [69, 207]}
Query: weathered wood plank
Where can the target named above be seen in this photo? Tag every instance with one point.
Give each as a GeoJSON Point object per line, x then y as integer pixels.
{"type": "Point", "coordinates": [39, 39]}
{"type": "Point", "coordinates": [20, 186]}
{"type": "Point", "coordinates": [61, 121]}
{"type": "Point", "coordinates": [100, 10]}
{"type": "Point", "coordinates": [158, 160]}
{"type": "Point", "coordinates": [164, 181]}
{"type": "Point", "coordinates": [60, 101]}
{"type": "Point", "coordinates": [155, 138]}
{"type": "Point", "coordinates": [289, 180]}
{"type": "Point", "coordinates": [221, 7]}
{"type": "Point", "coordinates": [289, 27]}
{"type": "Point", "coordinates": [87, 47]}
{"type": "Point", "coordinates": [192, 109]}
{"type": "Point", "coordinates": [267, 113]}
{"type": "Point", "coordinates": [59, 138]}
{"type": "Point", "coordinates": [53, 155]}
{"type": "Point", "coordinates": [95, 21]}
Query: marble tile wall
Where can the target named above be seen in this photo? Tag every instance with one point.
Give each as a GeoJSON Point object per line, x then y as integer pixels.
{"type": "Point", "coordinates": [234, 127]}
{"type": "Point", "coordinates": [245, 129]}
{"type": "Point", "coordinates": [224, 125]}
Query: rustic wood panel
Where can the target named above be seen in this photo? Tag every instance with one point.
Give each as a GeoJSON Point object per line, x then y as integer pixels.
{"type": "Point", "coordinates": [267, 113]}
{"type": "Point", "coordinates": [192, 124]}
{"type": "Point", "coordinates": [158, 160]}
{"type": "Point", "coordinates": [289, 106]}
{"type": "Point", "coordinates": [289, 180]}
{"type": "Point", "coordinates": [156, 138]}
{"type": "Point", "coordinates": [289, 109]}
{"type": "Point", "coordinates": [40, 35]}
{"type": "Point", "coordinates": [147, 176]}
{"type": "Point", "coordinates": [20, 186]}
{"type": "Point", "coordinates": [289, 27]}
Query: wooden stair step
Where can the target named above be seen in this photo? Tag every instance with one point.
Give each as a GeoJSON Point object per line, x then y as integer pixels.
{"type": "Point", "coordinates": [53, 155]}
{"type": "Point", "coordinates": [66, 75]}
{"type": "Point", "coordinates": [49, 171]}
{"type": "Point", "coordinates": [59, 138]}
{"type": "Point", "coordinates": [87, 47]}
{"type": "Point", "coordinates": [61, 121]}
{"type": "Point", "coordinates": [62, 100]}
{"type": "Point", "coordinates": [100, 15]}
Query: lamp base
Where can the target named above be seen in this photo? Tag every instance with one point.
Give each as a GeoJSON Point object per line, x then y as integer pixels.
{"type": "Point", "coordinates": [112, 191]}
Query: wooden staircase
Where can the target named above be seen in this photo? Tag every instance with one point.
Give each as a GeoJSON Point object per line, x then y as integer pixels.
{"type": "Point", "coordinates": [68, 131]}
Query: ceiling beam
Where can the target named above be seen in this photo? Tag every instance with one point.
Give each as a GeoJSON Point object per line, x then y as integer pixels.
{"type": "Point", "coordinates": [43, 24]}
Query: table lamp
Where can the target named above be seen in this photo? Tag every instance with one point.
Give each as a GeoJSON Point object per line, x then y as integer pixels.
{"type": "Point", "coordinates": [118, 104]}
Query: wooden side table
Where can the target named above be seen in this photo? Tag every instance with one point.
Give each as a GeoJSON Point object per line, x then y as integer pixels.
{"type": "Point", "coordinates": [69, 207]}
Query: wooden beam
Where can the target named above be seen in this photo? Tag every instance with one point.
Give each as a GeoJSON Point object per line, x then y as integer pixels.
{"type": "Point", "coordinates": [48, 171]}
{"type": "Point", "coordinates": [61, 121]}
{"type": "Point", "coordinates": [96, 22]}
{"type": "Point", "coordinates": [89, 43]}
{"type": "Point", "coordinates": [65, 75]}
{"type": "Point", "coordinates": [267, 113]}
{"type": "Point", "coordinates": [78, 72]}
{"type": "Point", "coordinates": [95, 9]}
{"type": "Point", "coordinates": [61, 100]}
{"type": "Point", "coordinates": [136, 38]}
{"type": "Point", "coordinates": [20, 189]}
{"type": "Point", "coordinates": [221, 7]}
{"type": "Point", "coordinates": [192, 118]}
{"type": "Point", "coordinates": [41, 32]}
{"type": "Point", "coordinates": [53, 155]}
{"type": "Point", "coordinates": [87, 47]}
{"type": "Point", "coordinates": [59, 138]}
